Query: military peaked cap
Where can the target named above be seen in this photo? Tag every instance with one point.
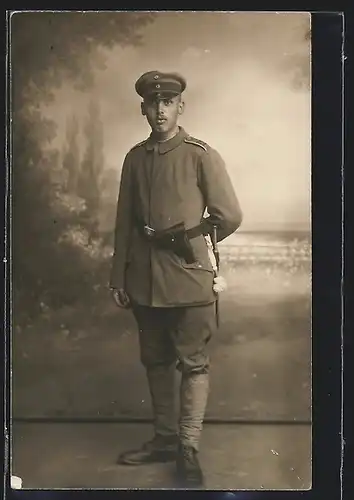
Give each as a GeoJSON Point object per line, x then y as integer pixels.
{"type": "Point", "coordinates": [155, 82]}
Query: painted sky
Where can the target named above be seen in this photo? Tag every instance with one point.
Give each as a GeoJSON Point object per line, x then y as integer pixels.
{"type": "Point", "coordinates": [240, 98]}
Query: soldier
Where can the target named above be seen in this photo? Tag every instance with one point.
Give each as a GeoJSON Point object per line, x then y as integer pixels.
{"type": "Point", "coordinates": [162, 271]}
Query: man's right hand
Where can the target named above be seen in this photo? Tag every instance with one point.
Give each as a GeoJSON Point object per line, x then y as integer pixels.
{"type": "Point", "coordinates": [121, 298]}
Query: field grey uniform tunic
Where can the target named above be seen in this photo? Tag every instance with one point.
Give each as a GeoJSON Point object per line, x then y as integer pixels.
{"type": "Point", "coordinates": [163, 184]}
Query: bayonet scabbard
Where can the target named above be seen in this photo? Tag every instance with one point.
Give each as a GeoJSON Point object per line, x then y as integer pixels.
{"type": "Point", "coordinates": [214, 240]}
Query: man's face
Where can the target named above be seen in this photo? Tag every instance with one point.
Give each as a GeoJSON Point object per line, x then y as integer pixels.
{"type": "Point", "coordinates": [162, 112]}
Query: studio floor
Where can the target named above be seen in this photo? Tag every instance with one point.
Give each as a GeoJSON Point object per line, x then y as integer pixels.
{"type": "Point", "coordinates": [233, 456]}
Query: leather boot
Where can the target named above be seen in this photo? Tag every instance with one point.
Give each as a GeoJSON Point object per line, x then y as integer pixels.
{"type": "Point", "coordinates": [193, 400]}
{"type": "Point", "coordinates": [189, 472]}
{"type": "Point", "coordinates": [163, 447]}
{"type": "Point", "coordinates": [161, 380]}
{"type": "Point", "coordinates": [194, 393]}
{"type": "Point", "coordinates": [159, 449]}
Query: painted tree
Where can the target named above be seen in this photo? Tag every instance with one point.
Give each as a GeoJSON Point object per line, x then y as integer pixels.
{"type": "Point", "coordinates": [71, 159]}
{"type": "Point", "coordinates": [47, 49]}
{"type": "Point", "coordinates": [297, 64]}
{"type": "Point", "coordinates": [92, 168]}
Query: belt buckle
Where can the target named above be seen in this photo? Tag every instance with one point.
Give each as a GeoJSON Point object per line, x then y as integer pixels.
{"type": "Point", "coordinates": [149, 231]}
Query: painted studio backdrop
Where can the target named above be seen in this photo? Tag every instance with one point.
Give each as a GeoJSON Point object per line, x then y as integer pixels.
{"type": "Point", "coordinates": [75, 115]}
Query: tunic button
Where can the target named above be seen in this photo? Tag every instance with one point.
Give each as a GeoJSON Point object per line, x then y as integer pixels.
{"type": "Point", "coordinates": [158, 85]}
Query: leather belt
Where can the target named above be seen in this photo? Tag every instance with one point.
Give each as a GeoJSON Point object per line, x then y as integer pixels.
{"type": "Point", "coordinates": [170, 233]}
{"type": "Point", "coordinates": [175, 238]}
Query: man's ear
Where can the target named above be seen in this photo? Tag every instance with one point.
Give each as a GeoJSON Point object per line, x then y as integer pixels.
{"type": "Point", "coordinates": [142, 106]}
{"type": "Point", "coordinates": [181, 106]}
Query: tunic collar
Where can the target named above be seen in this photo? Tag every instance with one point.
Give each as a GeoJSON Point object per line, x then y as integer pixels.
{"type": "Point", "coordinates": [164, 147]}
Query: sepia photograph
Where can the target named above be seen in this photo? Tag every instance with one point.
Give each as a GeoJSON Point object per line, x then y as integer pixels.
{"type": "Point", "coordinates": [160, 176]}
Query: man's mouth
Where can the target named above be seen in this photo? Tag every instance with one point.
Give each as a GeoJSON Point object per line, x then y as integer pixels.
{"type": "Point", "coordinates": [160, 121]}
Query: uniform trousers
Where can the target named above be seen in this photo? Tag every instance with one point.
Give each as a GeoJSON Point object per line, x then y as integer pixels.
{"type": "Point", "coordinates": [177, 338]}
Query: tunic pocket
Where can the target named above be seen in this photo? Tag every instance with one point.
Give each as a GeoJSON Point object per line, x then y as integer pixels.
{"type": "Point", "coordinates": [202, 262]}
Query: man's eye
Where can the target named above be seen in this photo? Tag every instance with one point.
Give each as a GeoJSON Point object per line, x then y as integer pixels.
{"type": "Point", "coordinates": [167, 102]}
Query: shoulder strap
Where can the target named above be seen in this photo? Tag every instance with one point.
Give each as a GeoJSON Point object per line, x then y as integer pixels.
{"type": "Point", "coordinates": [196, 142]}
{"type": "Point", "coordinates": [139, 144]}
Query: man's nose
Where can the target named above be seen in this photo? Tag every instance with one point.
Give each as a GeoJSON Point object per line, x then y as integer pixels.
{"type": "Point", "coordinates": [159, 105]}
